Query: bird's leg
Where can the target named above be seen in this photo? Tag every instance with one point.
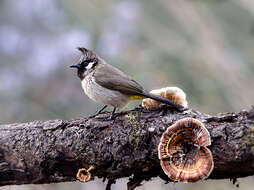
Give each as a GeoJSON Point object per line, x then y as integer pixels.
{"type": "Point", "coordinates": [98, 112]}
{"type": "Point", "coordinates": [112, 115]}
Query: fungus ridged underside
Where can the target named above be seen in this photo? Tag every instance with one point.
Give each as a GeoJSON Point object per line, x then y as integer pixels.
{"type": "Point", "coordinates": [183, 152]}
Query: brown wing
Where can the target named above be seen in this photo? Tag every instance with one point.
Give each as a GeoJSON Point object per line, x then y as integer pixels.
{"type": "Point", "coordinates": [114, 79]}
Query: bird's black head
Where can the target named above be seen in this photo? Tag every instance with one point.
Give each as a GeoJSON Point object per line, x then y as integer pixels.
{"type": "Point", "coordinates": [86, 63]}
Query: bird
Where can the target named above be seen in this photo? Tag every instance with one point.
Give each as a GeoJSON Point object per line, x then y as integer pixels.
{"type": "Point", "coordinates": [106, 84]}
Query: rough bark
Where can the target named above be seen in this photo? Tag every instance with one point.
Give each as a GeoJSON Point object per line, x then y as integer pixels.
{"type": "Point", "coordinates": [52, 151]}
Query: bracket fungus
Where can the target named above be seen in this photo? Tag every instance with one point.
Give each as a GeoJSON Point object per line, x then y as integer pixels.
{"type": "Point", "coordinates": [174, 94]}
{"type": "Point", "coordinates": [183, 151]}
{"type": "Point", "coordinates": [84, 175]}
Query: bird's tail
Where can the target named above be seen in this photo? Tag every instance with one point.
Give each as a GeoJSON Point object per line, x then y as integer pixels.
{"type": "Point", "coordinates": [163, 100]}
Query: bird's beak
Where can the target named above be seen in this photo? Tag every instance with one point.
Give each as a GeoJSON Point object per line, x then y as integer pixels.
{"type": "Point", "coordinates": [75, 66]}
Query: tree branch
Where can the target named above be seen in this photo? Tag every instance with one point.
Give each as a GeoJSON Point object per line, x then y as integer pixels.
{"type": "Point", "coordinates": [52, 151]}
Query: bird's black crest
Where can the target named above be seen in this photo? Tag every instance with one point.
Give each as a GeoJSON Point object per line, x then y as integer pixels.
{"type": "Point", "coordinates": [82, 49]}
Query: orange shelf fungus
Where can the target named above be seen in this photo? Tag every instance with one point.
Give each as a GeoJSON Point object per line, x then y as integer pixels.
{"type": "Point", "coordinates": [183, 153]}
{"type": "Point", "coordinates": [174, 94]}
{"type": "Point", "coordinates": [84, 175]}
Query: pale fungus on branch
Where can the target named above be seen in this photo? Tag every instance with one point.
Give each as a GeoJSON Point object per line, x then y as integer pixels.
{"type": "Point", "coordinates": [174, 94]}
{"type": "Point", "coordinates": [183, 151]}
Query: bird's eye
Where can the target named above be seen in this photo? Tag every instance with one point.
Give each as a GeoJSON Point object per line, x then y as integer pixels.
{"type": "Point", "coordinates": [84, 63]}
{"type": "Point", "coordinates": [90, 65]}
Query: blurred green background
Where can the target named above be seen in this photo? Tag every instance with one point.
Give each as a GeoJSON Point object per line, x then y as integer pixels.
{"type": "Point", "coordinates": [204, 47]}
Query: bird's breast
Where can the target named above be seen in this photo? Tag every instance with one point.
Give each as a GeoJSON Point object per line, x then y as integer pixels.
{"type": "Point", "coordinates": [103, 95]}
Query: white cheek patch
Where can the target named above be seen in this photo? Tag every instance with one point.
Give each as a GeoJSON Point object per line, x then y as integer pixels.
{"type": "Point", "coordinates": [90, 65]}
